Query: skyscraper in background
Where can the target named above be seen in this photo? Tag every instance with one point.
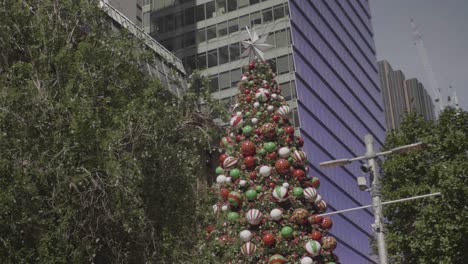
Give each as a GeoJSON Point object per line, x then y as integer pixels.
{"type": "Point", "coordinates": [402, 96]}
{"type": "Point", "coordinates": [324, 57]}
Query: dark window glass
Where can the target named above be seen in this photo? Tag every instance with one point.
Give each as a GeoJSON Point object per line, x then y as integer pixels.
{"type": "Point", "coordinates": [282, 64]}
{"type": "Point", "coordinates": [210, 9]}
{"type": "Point", "coordinates": [272, 63]}
{"type": "Point", "coordinates": [281, 38]}
{"type": "Point", "coordinates": [201, 60]}
{"type": "Point", "coordinates": [234, 51]}
{"type": "Point", "coordinates": [267, 15]}
{"type": "Point", "coordinates": [235, 77]}
{"type": "Point", "coordinates": [222, 29]}
{"type": "Point", "coordinates": [214, 87]}
{"type": "Point", "coordinates": [253, 2]}
{"type": "Point", "coordinates": [289, 36]}
{"type": "Point", "coordinates": [231, 5]}
{"type": "Point", "coordinates": [278, 12]}
{"type": "Point", "coordinates": [224, 81]}
{"type": "Point", "coordinates": [179, 20]}
{"type": "Point", "coordinates": [296, 118]}
{"type": "Point", "coordinates": [255, 19]}
{"type": "Point", "coordinates": [220, 7]}
{"type": "Point", "coordinates": [212, 58]}
{"type": "Point", "coordinates": [159, 29]}
{"type": "Point", "coordinates": [291, 63]}
{"type": "Point", "coordinates": [200, 13]}
{"type": "Point", "coordinates": [233, 25]}
{"type": "Point", "coordinates": [189, 16]}
{"type": "Point", "coordinates": [190, 63]}
{"type": "Point", "coordinates": [293, 90]}
{"type": "Point", "coordinates": [201, 35]}
{"type": "Point", "coordinates": [286, 90]}
{"type": "Point", "coordinates": [170, 23]}
{"type": "Point", "coordinates": [189, 39]}
{"type": "Point", "coordinates": [286, 9]}
{"type": "Point", "coordinates": [243, 3]}
{"type": "Point", "coordinates": [177, 42]}
{"type": "Point", "coordinates": [211, 32]}
{"type": "Point", "coordinates": [223, 55]}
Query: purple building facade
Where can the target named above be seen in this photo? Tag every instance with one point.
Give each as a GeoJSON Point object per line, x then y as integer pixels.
{"type": "Point", "coordinates": [339, 101]}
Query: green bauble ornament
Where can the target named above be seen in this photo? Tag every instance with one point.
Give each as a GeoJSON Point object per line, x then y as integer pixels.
{"type": "Point", "coordinates": [219, 170]}
{"type": "Point", "coordinates": [247, 114]}
{"type": "Point", "coordinates": [259, 114]}
{"type": "Point", "coordinates": [280, 131]}
{"type": "Point", "coordinates": [247, 130]}
{"type": "Point", "coordinates": [262, 151]}
{"type": "Point", "coordinates": [298, 192]}
{"type": "Point", "coordinates": [251, 195]}
{"type": "Point", "coordinates": [287, 232]}
{"type": "Point", "coordinates": [290, 160]}
{"type": "Point", "coordinates": [259, 188]}
{"type": "Point", "coordinates": [235, 173]}
{"type": "Point", "coordinates": [229, 152]}
{"type": "Point", "coordinates": [251, 83]}
{"type": "Point", "coordinates": [233, 216]}
{"type": "Point", "coordinates": [270, 146]}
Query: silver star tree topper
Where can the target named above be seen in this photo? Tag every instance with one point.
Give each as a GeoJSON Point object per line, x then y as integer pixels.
{"type": "Point", "coordinates": [255, 46]}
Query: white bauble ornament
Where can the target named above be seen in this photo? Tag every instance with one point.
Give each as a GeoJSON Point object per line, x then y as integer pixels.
{"type": "Point", "coordinates": [221, 179]}
{"type": "Point", "coordinates": [264, 81]}
{"type": "Point", "coordinates": [262, 95]}
{"type": "Point", "coordinates": [318, 199]}
{"type": "Point", "coordinates": [307, 260]}
{"type": "Point", "coordinates": [244, 78]}
{"type": "Point", "coordinates": [242, 183]}
{"type": "Point", "coordinates": [236, 121]}
{"type": "Point", "coordinates": [215, 208]}
{"type": "Point", "coordinates": [246, 235]}
{"type": "Point", "coordinates": [274, 96]}
{"type": "Point", "coordinates": [286, 185]}
{"type": "Point", "coordinates": [270, 108]}
{"type": "Point", "coordinates": [228, 179]}
{"type": "Point", "coordinates": [224, 208]}
{"type": "Point", "coordinates": [254, 120]}
{"type": "Point", "coordinates": [284, 152]}
{"type": "Point", "coordinates": [256, 104]}
{"type": "Point", "coordinates": [313, 247]}
{"type": "Point", "coordinates": [275, 214]}
{"type": "Point", "coordinates": [310, 194]}
{"type": "Point", "coordinates": [254, 216]}
{"type": "Point", "coordinates": [265, 171]}
{"type": "Point", "coordinates": [280, 194]}
{"type": "Point", "coordinates": [238, 113]}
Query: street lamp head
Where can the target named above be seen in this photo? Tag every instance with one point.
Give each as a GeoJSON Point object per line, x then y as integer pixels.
{"type": "Point", "coordinates": [334, 163]}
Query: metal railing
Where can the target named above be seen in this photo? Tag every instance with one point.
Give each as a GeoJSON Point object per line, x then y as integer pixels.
{"type": "Point", "coordinates": [137, 31]}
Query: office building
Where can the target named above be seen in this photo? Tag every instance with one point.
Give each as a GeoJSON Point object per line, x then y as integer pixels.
{"type": "Point", "coordinates": [324, 57]}
{"type": "Point", "coordinates": [402, 96]}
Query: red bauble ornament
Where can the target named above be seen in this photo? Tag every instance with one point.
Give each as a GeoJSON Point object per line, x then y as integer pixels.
{"type": "Point", "coordinates": [257, 131]}
{"type": "Point", "coordinates": [268, 130]}
{"type": "Point", "coordinates": [289, 130]}
{"type": "Point", "coordinates": [224, 239]}
{"type": "Point", "coordinates": [300, 142]}
{"type": "Point", "coordinates": [299, 174]}
{"type": "Point", "coordinates": [238, 138]}
{"type": "Point", "coordinates": [224, 193]}
{"type": "Point", "coordinates": [271, 155]}
{"type": "Point", "coordinates": [252, 65]}
{"type": "Point", "coordinates": [275, 118]}
{"type": "Point", "coordinates": [210, 228]}
{"type": "Point", "coordinates": [269, 239]}
{"type": "Point", "coordinates": [248, 148]}
{"type": "Point", "coordinates": [253, 175]}
{"type": "Point", "coordinates": [222, 157]}
{"type": "Point", "coordinates": [327, 223]}
{"type": "Point", "coordinates": [266, 85]}
{"type": "Point", "coordinates": [315, 219]}
{"type": "Point", "coordinates": [316, 235]}
{"type": "Point", "coordinates": [282, 166]}
{"type": "Point", "coordinates": [249, 161]}
{"type": "Point", "coordinates": [248, 98]}
{"type": "Point", "coordinates": [272, 185]}
{"type": "Point", "coordinates": [246, 91]}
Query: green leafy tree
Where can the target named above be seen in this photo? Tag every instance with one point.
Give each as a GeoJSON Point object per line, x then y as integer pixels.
{"type": "Point", "coordinates": [431, 230]}
{"type": "Point", "coordinates": [98, 162]}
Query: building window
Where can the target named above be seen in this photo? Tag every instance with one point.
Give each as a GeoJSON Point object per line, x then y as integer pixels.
{"type": "Point", "coordinates": [231, 5]}
{"type": "Point", "coordinates": [212, 58]}
{"type": "Point", "coordinates": [267, 15]}
{"type": "Point", "coordinates": [281, 38]}
{"type": "Point", "coordinates": [214, 87]}
{"type": "Point", "coordinates": [179, 20]}
{"type": "Point", "coordinates": [200, 13]}
{"type": "Point", "coordinates": [293, 90]}
{"type": "Point", "coordinates": [296, 118]}
{"type": "Point", "coordinates": [201, 35]}
{"type": "Point", "coordinates": [278, 12]}
{"type": "Point", "coordinates": [222, 29]}
{"type": "Point", "coordinates": [210, 33]}
{"type": "Point", "coordinates": [244, 22]}
{"type": "Point", "coordinates": [286, 90]}
{"type": "Point", "coordinates": [233, 25]}
{"type": "Point", "coordinates": [243, 3]}
{"type": "Point", "coordinates": [234, 51]}
{"type": "Point", "coordinates": [189, 39]}
{"type": "Point", "coordinates": [190, 63]}
{"type": "Point", "coordinates": [291, 64]}
{"type": "Point", "coordinates": [224, 81]}
{"type": "Point", "coordinates": [220, 7]}
{"type": "Point", "coordinates": [282, 64]}
{"type": "Point", "coordinates": [253, 2]}
{"type": "Point", "coordinates": [235, 77]}
{"type": "Point", "coordinates": [223, 55]}
{"type": "Point", "coordinates": [272, 63]}
{"type": "Point", "coordinates": [255, 19]}
{"type": "Point", "coordinates": [210, 9]}
{"type": "Point", "coordinates": [201, 60]}
{"type": "Point", "coordinates": [271, 39]}
{"type": "Point", "coordinates": [189, 16]}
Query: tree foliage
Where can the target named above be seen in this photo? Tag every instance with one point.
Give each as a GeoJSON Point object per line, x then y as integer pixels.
{"type": "Point", "coordinates": [431, 230]}
{"type": "Point", "coordinates": [98, 162]}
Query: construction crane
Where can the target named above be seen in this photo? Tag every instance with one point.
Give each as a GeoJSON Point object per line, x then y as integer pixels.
{"type": "Point", "coordinates": [433, 85]}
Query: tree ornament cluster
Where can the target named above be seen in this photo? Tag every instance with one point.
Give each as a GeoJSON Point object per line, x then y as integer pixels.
{"type": "Point", "coordinates": [269, 206]}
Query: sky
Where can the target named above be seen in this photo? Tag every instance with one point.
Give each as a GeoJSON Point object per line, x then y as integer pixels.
{"type": "Point", "coordinates": [444, 28]}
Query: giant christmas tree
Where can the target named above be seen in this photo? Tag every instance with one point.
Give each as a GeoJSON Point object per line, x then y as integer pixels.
{"type": "Point", "coordinates": [268, 208]}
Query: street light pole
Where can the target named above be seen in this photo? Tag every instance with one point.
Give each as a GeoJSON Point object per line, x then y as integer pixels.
{"type": "Point", "coordinates": [376, 200]}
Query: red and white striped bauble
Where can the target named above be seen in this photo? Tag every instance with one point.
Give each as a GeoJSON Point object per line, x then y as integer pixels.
{"type": "Point", "coordinates": [300, 157]}
{"type": "Point", "coordinates": [322, 206]}
{"type": "Point", "coordinates": [310, 194]}
{"type": "Point", "coordinates": [248, 248]}
{"type": "Point", "coordinates": [280, 194]}
{"type": "Point", "coordinates": [229, 162]}
{"type": "Point", "coordinates": [236, 121]}
{"type": "Point", "coordinates": [329, 243]}
{"type": "Point", "coordinates": [284, 111]}
{"type": "Point", "coordinates": [313, 247]}
{"type": "Point", "coordinates": [262, 95]}
{"type": "Point", "coordinates": [254, 216]}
